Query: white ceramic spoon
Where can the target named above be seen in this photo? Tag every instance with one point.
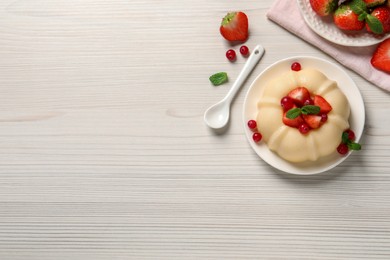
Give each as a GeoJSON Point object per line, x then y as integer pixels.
{"type": "Point", "coordinates": [218, 115]}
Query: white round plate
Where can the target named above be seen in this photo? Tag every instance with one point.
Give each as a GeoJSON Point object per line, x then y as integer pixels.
{"type": "Point", "coordinates": [333, 72]}
{"type": "Point", "coordinates": [325, 27]}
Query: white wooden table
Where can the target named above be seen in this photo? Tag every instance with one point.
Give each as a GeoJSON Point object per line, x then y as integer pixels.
{"type": "Point", "coordinates": [104, 153]}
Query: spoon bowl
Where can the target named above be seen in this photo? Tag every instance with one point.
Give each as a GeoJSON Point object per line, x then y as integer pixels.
{"type": "Point", "coordinates": [217, 116]}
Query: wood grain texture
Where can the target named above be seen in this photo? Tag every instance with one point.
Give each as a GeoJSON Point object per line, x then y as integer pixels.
{"type": "Point", "coordinates": [104, 154]}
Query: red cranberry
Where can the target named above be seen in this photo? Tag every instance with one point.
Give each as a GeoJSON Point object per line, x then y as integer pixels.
{"type": "Point", "coordinates": [252, 124]}
{"type": "Point", "coordinates": [351, 135]}
{"type": "Point", "coordinates": [324, 117]}
{"type": "Point", "coordinates": [296, 66]}
{"type": "Point", "coordinates": [244, 50]}
{"type": "Point", "coordinates": [231, 55]}
{"type": "Point", "coordinates": [304, 128]}
{"type": "Point", "coordinates": [342, 149]}
{"type": "Point", "coordinates": [257, 137]}
{"type": "Point", "coordinates": [287, 103]}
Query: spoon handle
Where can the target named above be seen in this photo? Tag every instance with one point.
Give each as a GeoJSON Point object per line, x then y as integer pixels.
{"type": "Point", "coordinates": [252, 61]}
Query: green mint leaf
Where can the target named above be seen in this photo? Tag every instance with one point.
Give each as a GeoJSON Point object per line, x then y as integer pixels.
{"type": "Point", "coordinates": [362, 16]}
{"type": "Point", "coordinates": [358, 7]}
{"type": "Point", "coordinates": [344, 138]}
{"type": "Point", "coordinates": [293, 113]}
{"type": "Point", "coordinates": [375, 25]}
{"type": "Point", "coordinates": [310, 109]}
{"type": "Point", "coordinates": [354, 146]}
{"type": "Point", "coordinates": [218, 78]}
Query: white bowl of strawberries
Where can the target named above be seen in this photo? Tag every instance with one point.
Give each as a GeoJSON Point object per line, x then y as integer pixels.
{"type": "Point", "coordinates": [348, 22]}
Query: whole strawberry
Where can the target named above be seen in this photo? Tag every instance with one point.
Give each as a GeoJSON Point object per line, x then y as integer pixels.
{"type": "Point", "coordinates": [323, 7]}
{"type": "Point", "coordinates": [345, 19]}
{"type": "Point", "coordinates": [382, 13]}
{"type": "Point", "coordinates": [372, 3]}
{"type": "Point", "coordinates": [234, 26]}
{"type": "Point", "coordinates": [381, 57]}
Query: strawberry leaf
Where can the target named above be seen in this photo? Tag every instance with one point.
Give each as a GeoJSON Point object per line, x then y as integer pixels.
{"type": "Point", "coordinates": [310, 109]}
{"type": "Point", "coordinates": [375, 25]}
{"type": "Point", "coordinates": [293, 113]}
{"type": "Point", "coordinates": [358, 7]}
{"type": "Point", "coordinates": [218, 78]}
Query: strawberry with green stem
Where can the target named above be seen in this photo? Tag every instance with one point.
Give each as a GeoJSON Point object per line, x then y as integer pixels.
{"type": "Point", "coordinates": [382, 13]}
{"type": "Point", "coordinates": [373, 23]}
{"type": "Point", "coordinates": [323, 7]}
{"type": "Point", "coordinates": [234, 27]}
{"type": "Point", "coordinates": [346, 19]}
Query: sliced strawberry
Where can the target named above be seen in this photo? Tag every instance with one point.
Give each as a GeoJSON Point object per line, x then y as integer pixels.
{"type": "Point", "coordinates": [372, 3]}
{"type": "Point", "coordinates": [325, 107]}
{"type": "Point", "coordinates": [345, 19]}
{"type": "Point", "coordinates": [299, 95]}
{"type": "Point", "coordinates": [382, 13]}
{"type": "Point", "coordinates": [323, 7]}
{"type": "Point", "coordinates": [381, 57]}
{"type": "Point", "coordinates": [234, 26]}
{"type": "Point", "coordinates": [314, 121]}
{"type": "Point", "coordinates": [296, 122]}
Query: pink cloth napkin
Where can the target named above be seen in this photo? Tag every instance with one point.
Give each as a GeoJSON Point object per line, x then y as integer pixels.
{"type": "Point", "coordinates": [286, 13]}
